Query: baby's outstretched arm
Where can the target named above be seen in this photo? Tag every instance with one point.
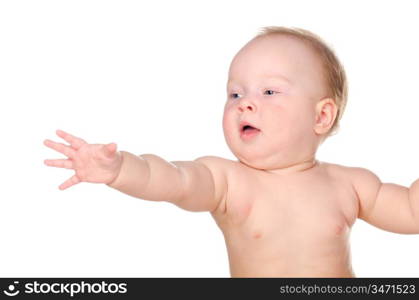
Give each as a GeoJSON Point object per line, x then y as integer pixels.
{"type": "Point", "coordinates": [198, 185]}
{"type": "Point", "coordinates": [388, 206]}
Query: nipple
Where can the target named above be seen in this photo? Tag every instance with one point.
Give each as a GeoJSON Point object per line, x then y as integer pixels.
{"type": "Point", "coordinates": [257, 234]}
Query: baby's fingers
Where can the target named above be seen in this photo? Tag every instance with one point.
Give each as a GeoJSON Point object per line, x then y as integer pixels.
{"type": "Point", "coordinates": [69, 182]}
{"type": "Point", "coordinates": [60, 163]}
{"type": "Point", "coordinates": [75, 142]}
{"type": "Point", "coordinates": [64, 149]}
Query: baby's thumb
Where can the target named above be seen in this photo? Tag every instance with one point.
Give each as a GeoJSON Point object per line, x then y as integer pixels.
{"type": "Point", "coordinates": [109, 149]}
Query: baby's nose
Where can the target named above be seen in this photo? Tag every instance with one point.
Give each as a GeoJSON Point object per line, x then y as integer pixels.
{"type": "Point", "coordinates": [246, 105]}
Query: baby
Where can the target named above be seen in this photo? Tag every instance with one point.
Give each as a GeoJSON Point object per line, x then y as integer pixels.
{"type": "Point", "coordinates": [283, 213]}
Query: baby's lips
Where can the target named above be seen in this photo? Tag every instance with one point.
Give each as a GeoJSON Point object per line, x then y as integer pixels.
{"type": "Point", "coordinates": [244, 124]}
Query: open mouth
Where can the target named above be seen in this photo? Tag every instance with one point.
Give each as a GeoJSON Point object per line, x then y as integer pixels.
{"type": "Point", "coordinates": [247, 130]}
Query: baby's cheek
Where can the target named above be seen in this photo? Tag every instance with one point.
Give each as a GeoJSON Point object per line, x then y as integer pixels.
{"type": "Point", "coordinates": [227, 121]}
{"type": "Point", "coordinates": [277, 117]}
{"type": "Point", "coordinates": [300, 116]}
{"type": "Point", "coordinates": [227, 126]}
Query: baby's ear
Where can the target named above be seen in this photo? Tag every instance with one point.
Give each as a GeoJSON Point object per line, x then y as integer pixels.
{"type": "Point", "coordinates": [326, 112]}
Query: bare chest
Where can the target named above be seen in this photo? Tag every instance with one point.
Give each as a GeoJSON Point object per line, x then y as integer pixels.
{"type": "Point", "coordinates": [296, 209]}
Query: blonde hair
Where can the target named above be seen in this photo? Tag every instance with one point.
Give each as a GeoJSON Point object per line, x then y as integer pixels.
{"type": "Point", "coordinates": [335, 76]}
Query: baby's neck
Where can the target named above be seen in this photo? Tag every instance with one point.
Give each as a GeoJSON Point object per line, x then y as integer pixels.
{"type": "Point", "coordinates": [295, 168]}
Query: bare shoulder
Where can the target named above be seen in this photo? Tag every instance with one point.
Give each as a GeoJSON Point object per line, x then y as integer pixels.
{"type": "Point", "coordinates": [357, 175]}
{"type": "Point", "coordinates": [219, 168]}
{"type": "Point", "coordinates": [354, 174]}
{"type": "Point", "coordinates": [359, 178]}
{"type": "Point", "coordinates": [365, 183]}
{"type": "Point", "coordinates": [225, 169]}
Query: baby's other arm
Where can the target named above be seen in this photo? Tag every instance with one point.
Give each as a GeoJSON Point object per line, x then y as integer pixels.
{"type": "Point", "coordinates": [198, 185]}
{"type": "Point", "coordinates": [388, 206]}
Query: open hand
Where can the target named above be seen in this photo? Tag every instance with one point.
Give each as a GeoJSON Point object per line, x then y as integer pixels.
{"type": "Point", "coordinates": [96, 163]}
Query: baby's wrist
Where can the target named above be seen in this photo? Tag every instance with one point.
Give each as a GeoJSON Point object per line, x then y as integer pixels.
{"type": "Point", "coordinates": [113, 182]}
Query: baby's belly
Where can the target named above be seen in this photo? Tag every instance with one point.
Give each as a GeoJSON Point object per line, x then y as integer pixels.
{"type": "Point", "coordinates": [244, 264]}
{"type": "Point", "coordinates": [289, 253]}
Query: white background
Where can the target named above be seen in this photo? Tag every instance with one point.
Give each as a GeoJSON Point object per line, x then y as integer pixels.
{"type": "Point", "coordinates": [150, 76]}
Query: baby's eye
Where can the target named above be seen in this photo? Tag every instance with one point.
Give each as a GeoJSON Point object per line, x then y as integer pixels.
{"type": "Point", "coordinates": [270, 92]}
{"type": "Point", "coordinates": [234, 95]}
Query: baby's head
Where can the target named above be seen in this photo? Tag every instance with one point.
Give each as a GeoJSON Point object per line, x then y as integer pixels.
{"type": "Point", "coordinates": [287, 83]}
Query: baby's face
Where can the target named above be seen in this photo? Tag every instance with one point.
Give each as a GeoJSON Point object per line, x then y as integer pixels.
{"type": "Point", "coordinates": [274, 84]}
